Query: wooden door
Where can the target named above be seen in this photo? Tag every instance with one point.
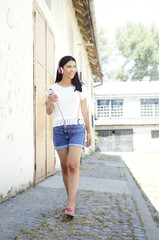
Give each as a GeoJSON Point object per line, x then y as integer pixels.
{"type": "Point", "coordinates": [43, 77]}
{"type": "Point", "coordinates": [50, 169]}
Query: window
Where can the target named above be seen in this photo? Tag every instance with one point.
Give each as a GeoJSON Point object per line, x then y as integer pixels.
{"type": "Point", "coordinates": [102, 108]}
{"type": "Point", "coordinates": [116, 132]}
{"type": "Point", "coordinates": [149, 107]}
{"type": "Point", "coordinates": [154, 133]}
{"type": "Point", "coordinates": [103, 133]}
{"type": "Point", "coordinates": [117, 108]}
{"type": "Point", "coordinates": [109, 108]}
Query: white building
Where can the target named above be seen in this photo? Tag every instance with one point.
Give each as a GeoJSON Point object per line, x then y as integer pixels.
{"type": "Point", "coordinates": [34, 36]}
{"type": "Point", "coordinates": [127, 116]}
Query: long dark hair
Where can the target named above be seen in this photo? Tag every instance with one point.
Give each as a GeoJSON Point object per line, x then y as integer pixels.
{"type": "Point", "coordinates": [75, 81]}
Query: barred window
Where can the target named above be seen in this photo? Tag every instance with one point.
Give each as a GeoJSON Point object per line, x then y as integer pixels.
{"type": "Point", "coordinates": [117, 108]}
{"type": "Point", "coordinates": [149, 107]}
{"type": "Point", "coordinates": [103, 108]}
{"type": "Point", "coordinates": [109, 108]}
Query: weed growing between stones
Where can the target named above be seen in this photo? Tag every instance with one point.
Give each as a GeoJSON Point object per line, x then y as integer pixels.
{"type": "Point", "coordinates": [16, 238]}
{"type": "Point", "coordinates": [113, 216]}
{"type": "Point", "coordinates": [156, 218]}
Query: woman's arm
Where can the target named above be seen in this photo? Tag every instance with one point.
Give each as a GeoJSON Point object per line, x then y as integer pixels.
{"type": "Point", "coordinates": [50, 103]}
{"type": "Point", "coordinates": [85, 114]}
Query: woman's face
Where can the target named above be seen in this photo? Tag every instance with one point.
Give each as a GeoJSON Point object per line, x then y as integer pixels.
{"type": "Point", "coordinates": [69, 69]}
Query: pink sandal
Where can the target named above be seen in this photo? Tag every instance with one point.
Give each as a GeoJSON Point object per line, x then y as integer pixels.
{"type": "Point", "coordinates": [69, 211]}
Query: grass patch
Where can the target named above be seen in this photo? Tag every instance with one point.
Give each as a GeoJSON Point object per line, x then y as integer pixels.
{"type": "Point", "coordinates": [120, 220]}
{"type": "Point", "coordinates": [16, 238]}
{"type": "Point", "coordinates": [43, 214]}
{"type": "Point", "coordinates": [156, 218]}
{"type": "Point", "coordinates": [82, 167]}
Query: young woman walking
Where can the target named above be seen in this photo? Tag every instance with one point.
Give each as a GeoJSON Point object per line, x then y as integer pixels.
{"type": "Point", "coordinates": [67, 99]}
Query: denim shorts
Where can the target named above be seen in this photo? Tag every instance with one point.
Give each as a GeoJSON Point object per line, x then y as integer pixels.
{"type": "Point", "coordinates": [62, 138]}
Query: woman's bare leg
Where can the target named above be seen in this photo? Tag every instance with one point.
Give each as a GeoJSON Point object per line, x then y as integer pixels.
{"type": "Point", "coordinates": [74, 154]}
{"type": "Point", "coordinates": [63, 155]}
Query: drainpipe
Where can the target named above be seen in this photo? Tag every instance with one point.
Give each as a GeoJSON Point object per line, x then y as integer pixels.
{"type": "Point", "coordinates": [99, 84]}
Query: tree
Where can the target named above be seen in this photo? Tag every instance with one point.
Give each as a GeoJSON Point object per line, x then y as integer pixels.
{"type": "Point", "coordinates": [105, 52]}
{"type": "Point", "coordinates": [140, 48]}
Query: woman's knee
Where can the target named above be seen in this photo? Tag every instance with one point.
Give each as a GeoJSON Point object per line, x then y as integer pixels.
{"type": "Point", "coordinates": [64, 166]}
{"type": "Point", "coordinates": [63, 155]}
{"type": "Point", "coordinates": [73, 166]}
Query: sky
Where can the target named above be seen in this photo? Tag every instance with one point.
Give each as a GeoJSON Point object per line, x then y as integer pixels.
{"type": "Point", "coordinates": [116, 13]}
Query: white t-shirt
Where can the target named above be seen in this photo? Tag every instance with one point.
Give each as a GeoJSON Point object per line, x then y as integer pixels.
{"type": "Point", "coordinates": [68, 105]}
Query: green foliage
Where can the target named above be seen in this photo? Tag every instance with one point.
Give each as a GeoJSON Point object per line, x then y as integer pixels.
{"type": "Point", "coordinates": [136, 49]}
{"type": "Point", "coordinates": [105, 52]}
{"type": "Point", "coordinates": [119, 74]}
{"type": "Point", "coordinates": [96, 140]}
{"type": "Point", "coordinates": [140, 48]}
{"type": "Point", "coordinates": [96, 79]}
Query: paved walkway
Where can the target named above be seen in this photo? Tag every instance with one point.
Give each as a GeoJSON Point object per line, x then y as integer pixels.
{"type": "Point", "coordinates": [109, 206]}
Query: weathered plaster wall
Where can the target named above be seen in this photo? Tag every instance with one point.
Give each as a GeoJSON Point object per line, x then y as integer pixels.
{"type": "Point", "coordinates": [16, 97]}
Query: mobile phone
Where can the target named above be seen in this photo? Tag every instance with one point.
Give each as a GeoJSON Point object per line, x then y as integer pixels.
{"type": "Point", "coordinates": [49, 92]}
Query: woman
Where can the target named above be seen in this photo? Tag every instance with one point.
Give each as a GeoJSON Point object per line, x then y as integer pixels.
{"type": "Point", "coordinates": [67, 98]}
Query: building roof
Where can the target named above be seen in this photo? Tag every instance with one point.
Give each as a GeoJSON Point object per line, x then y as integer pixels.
{"type": "Point", "coordinates": [128, 88]}
{"type": "Point", "coordinates": [85, 15]}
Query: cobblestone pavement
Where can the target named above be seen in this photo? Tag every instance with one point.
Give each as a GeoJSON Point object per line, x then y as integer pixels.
{"type": "Point", "coordinates": [100, 214]}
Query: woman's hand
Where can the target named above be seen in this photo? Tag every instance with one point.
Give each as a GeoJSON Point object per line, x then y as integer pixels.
{"type": "Point", "coordinates": [50, 103]}
{"type": "Point", "coordinates": [89, 140]}
{"type": "Point", "coordinates": [52, 99]}
{"type": "Point", "coordinates": [85, 114]}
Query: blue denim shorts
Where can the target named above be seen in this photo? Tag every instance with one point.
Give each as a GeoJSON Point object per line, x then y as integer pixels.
{"type": "Point", "coordinates": [62, 138]}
